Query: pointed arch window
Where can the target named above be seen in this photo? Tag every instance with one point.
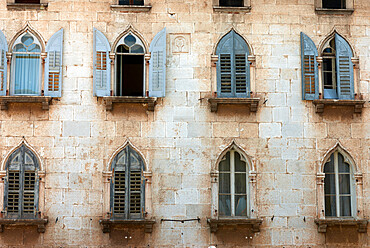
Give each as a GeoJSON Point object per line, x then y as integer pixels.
{"type": "Point", "coordinates": [127, 186]}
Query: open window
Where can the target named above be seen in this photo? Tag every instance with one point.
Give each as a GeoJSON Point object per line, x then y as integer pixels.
{"type": "Point", "coordinates": [339, 186]}
{"type": "Point", "coordinates": [231, 5]}
{"type": "Point", "coordinates": [332, 75]}
{"type": "Point", "coordinates": [27, 4]}
{"type": "Point", "coordinates": [233, 191]}
{"type": "Point", "coordinates": [23, 190]}
{"type": "Point", "coordinates": [334, 6]}
{"type": "Point", "coordinates": [27, 61]}
{"type": "Point", "coordinates": [129, 62]}
{"type": "Point", "coordinates": [126, 185]}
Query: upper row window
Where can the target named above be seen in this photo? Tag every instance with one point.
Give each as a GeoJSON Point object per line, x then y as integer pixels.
{"type": "Point", "coordinates": [26, 66]}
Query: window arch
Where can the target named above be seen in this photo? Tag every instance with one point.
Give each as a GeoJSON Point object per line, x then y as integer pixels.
{"type": "Point", "coordinates": [127, 185]}
{"type": "Point", "coordinates": [21, 192]}
{"type": "Point", "coordinates": [233, 67]}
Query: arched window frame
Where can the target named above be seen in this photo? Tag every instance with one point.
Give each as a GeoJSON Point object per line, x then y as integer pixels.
{"type": "Point", "coordinates": [358, 215]}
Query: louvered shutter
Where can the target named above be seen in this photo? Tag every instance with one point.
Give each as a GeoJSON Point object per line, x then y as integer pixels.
{"type": "Point", "coordinates": [225, 64]}
{"type": "Point", "coordinates": [142, 194]}
{"type": "Point", "coordinates": [102, 66]}
{"type": "Point", "coordinates": [3, 63]}
{"type": "Point", "coordinates": [53, 65]}
{"type": "Point", "coordinates": [344, 65]}
{"type": "Point", "coordinates": [310, 87]}
{"type": "Point", "coordinates": [157, 65]}
{"type": "Point", "coordinates": [241, 67]}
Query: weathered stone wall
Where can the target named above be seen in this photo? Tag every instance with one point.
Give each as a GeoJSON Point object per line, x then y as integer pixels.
{"type": "Point", "coordinates": [182, 139]}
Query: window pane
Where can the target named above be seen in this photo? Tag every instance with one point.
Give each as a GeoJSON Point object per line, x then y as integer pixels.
{"type": "Point", "coordinates": [240, 183]}
{"type": "Point", "coordinates": [224, 184]}
{"type": "Point", "coordinates": [27, 39]}
{"type": "Point", "coordinates": [342, 166]}
{"type": "Point", "coordinates": [130, 40]}
{"type": "Point", "coordinates": [333, 4]}
{"type": "Point", "coordinates": [330, 207]}
{"type": "Point", "coordinates": [27, 70]}
{"type": "Point", "coordinates": [122, 49]}
{"type": "Point", "coordinates": [344, 184]}
{"type": "Point", "coordinates": [137, 49]}
{"type": "Point", "coordinates": [345, 205]}
{"type": "Point", "coordinates": [241, 205]}
{"type": "Point", "coordinates": [232, 3]}
{"type": "Point", "coordinates": [225, 163]}
{"type": "Point", "coordinates": [131, 2]}
{"type": "Point", "coordinates": [329, 166]}
{"type": "Point", "coordinates": [224, 205]}
{"type": "Point", "coordinates": [329, 184]}
{"type": "Point", "coordinates": [239, 164]}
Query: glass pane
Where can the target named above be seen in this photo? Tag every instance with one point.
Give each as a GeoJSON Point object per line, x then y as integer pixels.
{"type": "Point", "coordinates": [130, 40]}
{"type": "Point", "coordinates": [329, 184]}
{"type": "Point", "coordinates": [333, 4]}
{"type": "Point", "coordinates": [34, 48]}
{"type": "Point", "coordinates": [137, 49]}
{"type": "Point", "coordinates": [27, 74]}
{"type": "Point", "coordinates": [224, 183]}
{"type": "Point", "coordinates": [131, 2]}
{"type": "Point", "coordinates": [123, 49]}
{"type": "Point", "coordinates": [342, 166]}
{"type": "Point", "coordinates": [224, 205]}
{"type": "Point", "coordinates": [345, 205]}
{"type": "Point", "coordinates": [241, 205]}
{"type": "Point", "coordinates": [27, 39]}
{"type": "Point", "coordinates": [329, 166]}
{"type": "Point", "coordinates": [344, 184]}
{"type": "Point", "coordinates": [232, 3]}
{"type": "Point", "coordinates": [239, 164]}
{"type": "Point", "coordinates": [240, 183]}
{"type": "Point", "coordinates": [20, 48]}
{"type": "Point", "coordinates": [330, 207]}
{"type": "Point", "coordinates": [225, 163]}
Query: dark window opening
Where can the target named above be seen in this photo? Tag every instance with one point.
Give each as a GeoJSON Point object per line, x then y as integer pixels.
{"type": "Point", "coordinates": [330, 71]}
{"type": "Point", "coordinates": [131, 2]}
{"type": "Point", "coordinates": [334, 4]}
{"type": "Point", "coordinates": [28, 1]}
{"type": "Point", "coordinates": [130, 74]}
{"type": "Point", "coordinates": [232, 3]}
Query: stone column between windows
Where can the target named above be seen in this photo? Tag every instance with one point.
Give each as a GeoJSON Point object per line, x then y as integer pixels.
{"type": "Point", "coordinates": [214, 59]}
{"type": "Point", "coordinates": [359, 200]}
{"type": "Point", "coordinates": [41, 189]}
{"type": "Point", "coordinates": [112, 57]}
{"type": "Point", "coordinates": [2, 177]}
{"type": "Point", "coordinates": [148, 194]}
{"type": "Point", "coordinates": [252, 71]}
{"type": "Point", "coordinates": [107, 177]}
{"type": "Point", "coordinates": [319, 67]}
{"type": "Point", "coordinates": [43, 57]}
{"type": "Point", "coordinates": [214, 194]}
{"type": "Point", "coordinates": [8, 76]}
{"type": "Point", "coordinates": [320, 177]}
{"type": "Point", "coordinates": [252, 192]}
{"type": "Point", "coordinates": [356, 77]}
{"type": "Point", "coordinates": [146, 77]}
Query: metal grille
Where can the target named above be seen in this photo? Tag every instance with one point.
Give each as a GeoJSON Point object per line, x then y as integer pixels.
{"type": "Point", "coordinates": [240, 70]}
{"type": "Point", "coordinates": [225, 62]}
{"type": "Point", "coordinates": [29, 191]}
{"type": "Point", "coordinates": [309, 74]}
{"type": "Point", "coordinates": [119, 192]}
{"type": "Point", "coordinates": [135, 192]}
{"type": "Point", "coordinates": [13, 191]}
{"type": "Point", "coordinates": [344, 75]}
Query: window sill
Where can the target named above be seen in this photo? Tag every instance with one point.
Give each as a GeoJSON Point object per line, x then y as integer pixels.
{"type": "Point", "coordinates": [44, 100]}
{"type": "Point", "coordinates": [149, 101]}
{"type": "Point", "coordinates": [27, 6]}
{"type": "Point", "coordinates": [40, 223]}
{"type": "Point", "coordinates": [108, 224]}
{"type": "Point", "coordinates": [251, 102]}
{"type": "Point", "coordinates": [231, 9]}
{"type": "Point", "coordinates": [324, 223]}
{"type": "Point", "coordinates": [321, 103]}
{"type": "Point", "coordinates": [215, 223]}
{"type": "Point", "coordinates": [323, 11]}
{"type": "Point", "coordinates": [131, 8]}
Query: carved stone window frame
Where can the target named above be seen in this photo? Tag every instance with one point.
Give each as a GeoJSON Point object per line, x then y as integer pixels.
{"type": "Point", "coordinates": [324, 11]}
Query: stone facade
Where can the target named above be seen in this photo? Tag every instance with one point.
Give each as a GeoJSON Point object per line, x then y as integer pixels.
{"type": "Point", "coordinates": [182, 140]}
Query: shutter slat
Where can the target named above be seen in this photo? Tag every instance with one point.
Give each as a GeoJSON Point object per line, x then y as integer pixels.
{"type": "Point", "coordinates": [3, 63]}
{"type": "Point", "coordinates": [344, 64]}
{"type": "Point", "coordinates": [310, 88]}
{"type": "Point", "coordinates": [101, 64]}
{"type": "Point", "coordinates": [135, 192]}
{"type": "Point", "coordinates": [53, 66]}
{"type": "Point", "coordinates": [157, 65]}
{"type": "Point", "coordinates": [119, 192]}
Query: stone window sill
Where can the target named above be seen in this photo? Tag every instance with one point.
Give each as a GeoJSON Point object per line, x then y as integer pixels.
{"type": "Point", "coordinates": [253, 223]}
{"type": "Point", "coordinates": [108, 224]}
{"type": "Point", "coordinates": [251, 102]}
{"type": "Point", "coordinates": [323, 11]}
{"type": "Point", "coordinates": [27, 6]}
{"type": "Point", "coordinates": [44, 100]}
{"type": "Point", "coordinates": [231, 9]}
{"type": "Point", "coordinates": [150, 102]}
{"type": "Point", "coordinates": [131, 8]}
{"type": "Point", "coordinates": [324, 223]}
{"type": "Point", "coordinates": [40, 223]}
{"type": "Point", "coordinates": [321, 103]}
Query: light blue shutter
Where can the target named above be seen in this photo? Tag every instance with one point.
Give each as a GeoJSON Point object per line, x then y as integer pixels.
{"type": "Point", "coordinates": [157, 65]}
{"type": "Point", "coordinates": [310, 85]}
{"type": "Point", "coordinates": [102, 66]}
{"type": "Point", "coordinates": [344, 68]}
{"type": "Point", "coordinates": [3, 63]}
{"type": "Point", "coordinates": [53, 65]}
{"type": "Point", "coordinates": [225, 64]}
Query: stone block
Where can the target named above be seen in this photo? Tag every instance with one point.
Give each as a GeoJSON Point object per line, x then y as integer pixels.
{"type": "Point", "coordinates": [76, 128]}
{"type": "Point", "coordinates": [270, 130]}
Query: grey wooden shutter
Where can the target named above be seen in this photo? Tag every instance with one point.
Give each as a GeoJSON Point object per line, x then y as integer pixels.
{"type": "Point", "coordinates": [53, 65]}
{"type": "Point", "coordinates": [3, 63]}
{"type": "Point", "coordinates": [310, 87]}
{"type": "Point", "coordinates": [345, 81]}
{"type": "Point", "coordinates": [157, 65]}
{"type": "Point", "coordinates": [225, 64]}
{"type": "Point", "coordinates": [241, 67]}
{"type": "Point", "coordinates": [102, 66]}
